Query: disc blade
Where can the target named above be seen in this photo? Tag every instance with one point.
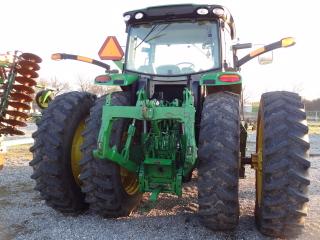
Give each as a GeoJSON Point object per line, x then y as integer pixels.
{"type": "Point", "coordinates": [22, 88]}
{"type": "Point", "coordinates": [13, 122]}
{"type": "Point", "coordinates": [19, 114]}
{"type": "Point", "coordinates": [19, 105]}
{"type": "Point", "coordinates": [20, 97]}
{"type": "Point", "coordinates": [28, 73]}
{"type": "Point", "coordinates": [25, 81]}
{"type": "Point", "coordinates": [11, 131]}
{"type": "Point", "coordinates": [29, 65]}
{"type": "Point", "coordinates": [31, 57]}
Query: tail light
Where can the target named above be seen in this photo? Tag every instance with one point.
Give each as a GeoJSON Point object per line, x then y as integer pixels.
{"type": "Point", "coordinates": [102, 79]}
{"type": "Point", "coordinates": [230, 78]}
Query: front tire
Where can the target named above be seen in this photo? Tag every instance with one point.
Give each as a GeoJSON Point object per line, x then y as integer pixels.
{"type": "Point", "coordinates": [282, 178]}
{"type": "Point", "coordinates": [108, 191]}
{"type": "Point", "coordinates": [219, 149]}
{"type": "Point", "coordinates": [55, 151]}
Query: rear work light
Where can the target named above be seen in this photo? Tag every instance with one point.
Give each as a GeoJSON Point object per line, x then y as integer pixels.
{"type": "Point", "coordinates": [218, 11]}
{"type": "Point", "coordinates": [138, 15]}
{"type": "Point", "coordinates": [202, 11]}
{"type": "Point", "coordinates": [229, 78]}
{"type": "Point", "coordinates": [126, 18]}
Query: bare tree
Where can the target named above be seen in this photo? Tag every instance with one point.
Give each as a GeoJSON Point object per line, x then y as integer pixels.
{"type": "Point", "coordinates": [297, 87]}
{"type": "Point", "coordinates": [86, 85]}
{"type": "Point", "coordinates": [246, 95]}
{"type": "Point", "coordinates": [59, 86]}
{"type": "Point", "coordinates": [54, 84]}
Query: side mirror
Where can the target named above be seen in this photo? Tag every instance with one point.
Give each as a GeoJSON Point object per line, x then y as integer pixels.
{"type": "Point", "coordinates": [265, 58]}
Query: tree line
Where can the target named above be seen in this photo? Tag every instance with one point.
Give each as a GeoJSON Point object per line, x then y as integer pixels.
{"type": "Point", "coordinates": [312, 105]}
{"type": "Point", "coordinates": [83, 85]}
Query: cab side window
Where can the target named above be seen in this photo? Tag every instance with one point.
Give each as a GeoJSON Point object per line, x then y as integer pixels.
{"type": "Point", "coordinates": [227, 47]}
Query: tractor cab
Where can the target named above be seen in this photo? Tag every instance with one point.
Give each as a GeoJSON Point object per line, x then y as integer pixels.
{"type": "Point", "coordinates": [177, 40]}
{"type": "Point", "coordinates": [176, 45]}
{"type": "Point", "coordinates": [184, 46]}
{"type": "Point", "coordinates": [173, 49]}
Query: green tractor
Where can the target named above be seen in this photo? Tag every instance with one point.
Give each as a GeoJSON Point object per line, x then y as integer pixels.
{"type": "Point", "coordinates": [179, 110]}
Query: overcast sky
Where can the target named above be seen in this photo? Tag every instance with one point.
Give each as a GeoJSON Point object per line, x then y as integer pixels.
{"type": "Point", "coordinates": [80, 27]}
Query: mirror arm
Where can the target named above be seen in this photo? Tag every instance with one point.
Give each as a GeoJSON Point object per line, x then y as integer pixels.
{"type": "Point", "coordinates": [60, 56]}
{"type": "Point", "coordinates": [285, 42]}
{"type": "Point", "coordinates": [242, 46]}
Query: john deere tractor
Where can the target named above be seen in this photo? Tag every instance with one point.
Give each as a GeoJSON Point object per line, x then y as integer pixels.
{"type": "Point", "coordinates": [179, 110]}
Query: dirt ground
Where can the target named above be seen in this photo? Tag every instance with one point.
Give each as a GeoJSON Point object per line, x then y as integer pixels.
{"type": "Point", "coordinates": [23, 215]}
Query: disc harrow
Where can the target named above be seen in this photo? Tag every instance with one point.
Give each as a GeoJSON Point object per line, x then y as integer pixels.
{"type": "Point", "coordinates": [18, 72]}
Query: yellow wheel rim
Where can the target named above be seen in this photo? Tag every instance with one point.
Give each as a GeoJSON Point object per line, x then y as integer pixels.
{"type": "Point", "coordinates": [44, 99]}
{"type": "Point", "coordinates": [259, 174]}
{"type": "Point", "coordinates": [76, 153]}
{"type": "Point", "coordinates": [42, 103]}
{"type": "Point", "coordinates": [129, 181]}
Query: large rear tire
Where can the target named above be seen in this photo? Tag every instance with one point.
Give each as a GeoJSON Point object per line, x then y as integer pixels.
{"type": "Point", "coordinates": [110, 190]}
{"type": "Point", "coordinates": [282, 152]}
{"type": "Point", "coordinates": [219, 152]}
{"type": "Point", "coordinates": [56, 151]}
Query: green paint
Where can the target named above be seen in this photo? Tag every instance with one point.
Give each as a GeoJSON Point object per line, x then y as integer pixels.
{"type": "Point", "coordinates": [154, 195]}
{"type": "Point", "coordinates": [46, 97]}
{"type": "Point", "coordinates": [212, 79]}
{"type": "Point", "coordinates": [119, 64]}
{"type": "Point", "coordinates": [10, 78]}
{"type": "Point", "coordinates": [3, 65]}
{"type": "Point", "coordinates": [168, 147]}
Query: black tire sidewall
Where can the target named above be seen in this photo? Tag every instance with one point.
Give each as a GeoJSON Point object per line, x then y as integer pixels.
{"type": "Point", "coordinates": [282, 113]}
{"type": "Point", "coordinates": [79, 115]}
{"type": "Point", "coordinates": [91, 167]}
{"type": "Point", "coordinates": [218, 169]}
{"type": "Point", "coordinates": [52, 151]}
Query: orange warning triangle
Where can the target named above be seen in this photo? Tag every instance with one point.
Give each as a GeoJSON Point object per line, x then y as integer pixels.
{"type": "Point", "coordinates": [111, 49]}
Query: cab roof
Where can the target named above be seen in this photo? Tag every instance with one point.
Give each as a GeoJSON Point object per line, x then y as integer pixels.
{"type": "Point", "coordinates": [179, 12]}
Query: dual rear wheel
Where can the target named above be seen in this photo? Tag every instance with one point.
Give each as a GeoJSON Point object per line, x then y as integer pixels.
{"type": "Point", "coordinates": [281, 163]}
{"type": "Point", "coordinates": [71, 180]}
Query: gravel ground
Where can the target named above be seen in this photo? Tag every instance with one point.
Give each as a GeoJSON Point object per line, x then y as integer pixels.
{"type": "Point", "coordinates": [23, 215]}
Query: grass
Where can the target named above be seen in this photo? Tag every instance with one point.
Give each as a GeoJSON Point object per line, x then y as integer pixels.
{"type": "Point", "coordinates": [18, 151]}
{"type": "Point", "coordinates": [314, 127]}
